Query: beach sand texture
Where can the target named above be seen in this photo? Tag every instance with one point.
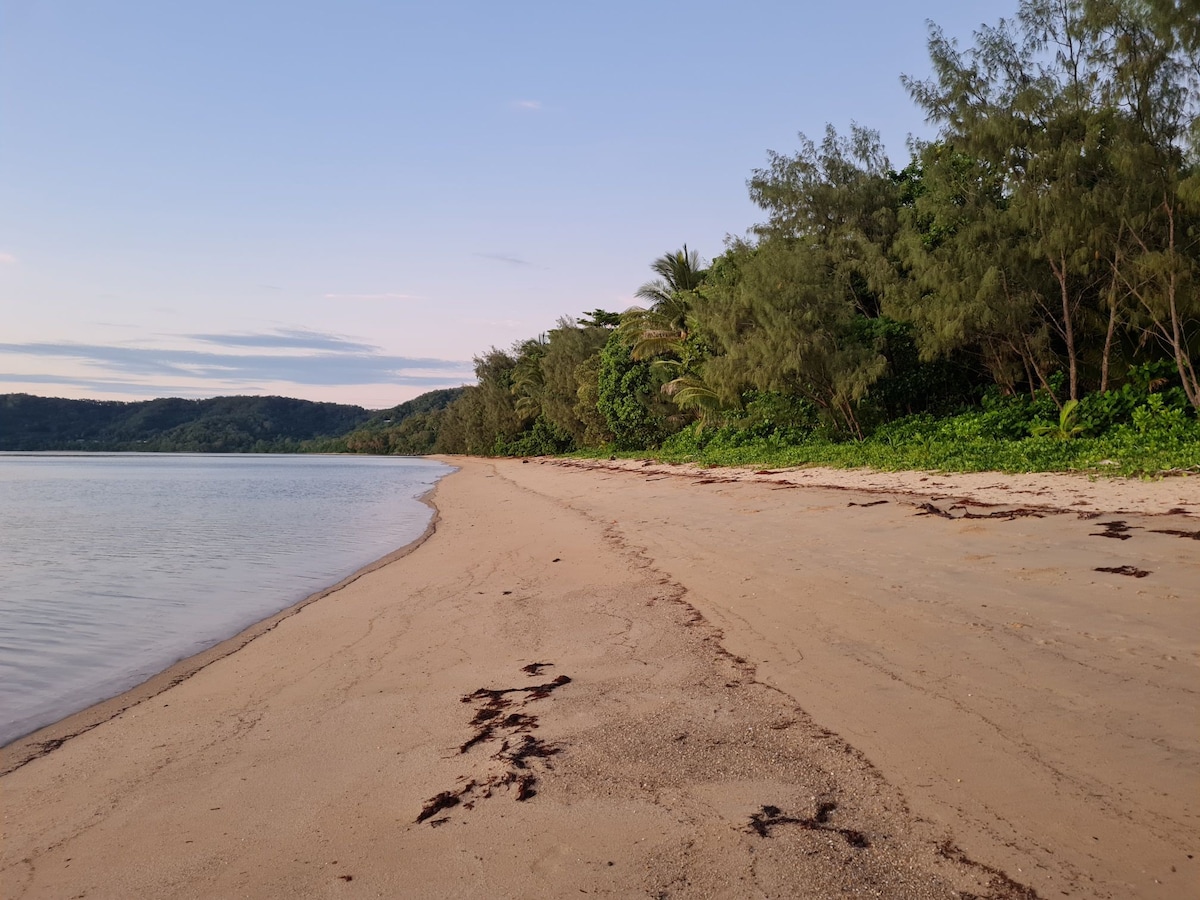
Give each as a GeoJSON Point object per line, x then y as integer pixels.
{"type": "Point", "coordinates": [626, 679]}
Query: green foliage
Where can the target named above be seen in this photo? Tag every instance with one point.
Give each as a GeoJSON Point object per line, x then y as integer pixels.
{"type": "Point", "coordinates": [528, 378]}
{"type": "Point", "coordinates": [1166, 443]}
{"type": "Point", "coordinates": [679, 274]}
{"type": "Point", "coordinates": [596, 432]}
{"type": "Point", "coordinates": [601, 318]}
{"type": "Point", "coordinates": [626, 394]}
{"type": "Point", "coordinates": [783, 326]}
{"type": "Point", "coordinates": [783, 418]}
{"type": "Point", "coordinates": [839, 198]}
{"type": "Point", "coordinates": [570, 346]}
{"type": "Point", "coordinates": [1056, 217]}
{"type": "Point", "coordinates": [1157, 420]}
{"type": "Point", "coordinates": [1007, 418]}
{"type": "Point", "coordinates": [410, 429]}
{"type": "Point", "coordinates": [1065, 429]}
{"type": "Point", "coordinates": [911, 384]}
{"type": "Point", "coordinates": [486, 414]}
{"type": "Point", "coordinates": [541, 439]}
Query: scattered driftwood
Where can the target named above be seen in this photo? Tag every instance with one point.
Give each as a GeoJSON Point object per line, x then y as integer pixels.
{"type": "Point", "coordinates": [869, 503]}
{"type": "Point", "coordinates": [928, 509]}
{"type": "Point", "coordinates": [1009, 514]}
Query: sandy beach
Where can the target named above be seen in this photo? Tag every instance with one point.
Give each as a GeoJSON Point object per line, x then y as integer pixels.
{"type": "Point", "coordinates": [629, 679]}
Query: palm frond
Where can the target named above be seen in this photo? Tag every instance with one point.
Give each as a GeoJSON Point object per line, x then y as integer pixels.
{"type": "Point", "coordinates": [650, 344]}
{"type": "Point", "coordinates": [655, 291]}
{"type": "Point", "coordinates": [689, 392]}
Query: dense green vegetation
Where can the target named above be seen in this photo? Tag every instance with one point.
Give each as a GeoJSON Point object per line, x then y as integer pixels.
{"type": "Point", "coordinates": [217, 425]}
{"type": "Point", "coordinates": [221, 425]}
{"type": "Point", "coordinates": [409, 429]}
{"type": "Point", "coordinates": [1023, 294]}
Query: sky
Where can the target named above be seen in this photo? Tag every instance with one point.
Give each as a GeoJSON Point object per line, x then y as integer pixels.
{"type": "Point", "coordinates": [347, 200]}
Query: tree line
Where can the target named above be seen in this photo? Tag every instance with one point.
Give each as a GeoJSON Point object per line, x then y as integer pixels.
{"type": "Point", "coordinates": [1042, 251]}
{"type": "Point", "coordinates": [215, 425]}
{"type": "Point", "coordinates": [218, 425]}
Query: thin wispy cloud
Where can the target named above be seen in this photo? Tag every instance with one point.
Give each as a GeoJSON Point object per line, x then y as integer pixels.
{"type": "Point", "coordinates": [286, 339]}
{"type": "Point", "coordinates": [507, 259]}
{"type": "Point", "coordinates": [387, 295]}
{"type": "Point", "coordinates": [531, 105]}
{"type": "Point", "coordinates": [7, 259]}
{"type": "Point", "coordinates": [114, 386]}
{"type": "Point", "coordinates": [334, 363]}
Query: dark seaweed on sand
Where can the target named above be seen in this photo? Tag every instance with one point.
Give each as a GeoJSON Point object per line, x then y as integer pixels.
{"type": "Point", "coordinates": [495, 720]}
{"type": "Point", "coordinates": [1123, 570]}
{"type": "Point", "coordinates": [770, 817]}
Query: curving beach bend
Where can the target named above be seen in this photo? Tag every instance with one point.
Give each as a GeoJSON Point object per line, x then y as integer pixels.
{"type": "Point", "coordinates": [628, 679]}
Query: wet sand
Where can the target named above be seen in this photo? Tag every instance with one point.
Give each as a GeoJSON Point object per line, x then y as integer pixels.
{"type": "Point", "coordinates": [640, 680]}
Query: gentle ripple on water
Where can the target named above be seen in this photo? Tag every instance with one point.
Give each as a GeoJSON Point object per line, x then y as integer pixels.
{"type": "Point", "coordinates": [114, 566]}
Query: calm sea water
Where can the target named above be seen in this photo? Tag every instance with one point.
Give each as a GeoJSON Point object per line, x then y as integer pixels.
{"type": "Point", "coordinates": [115, 566]}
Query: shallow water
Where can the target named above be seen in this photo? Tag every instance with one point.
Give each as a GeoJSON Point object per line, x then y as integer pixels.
{"type": "Point", "coordinates": [115, 566]}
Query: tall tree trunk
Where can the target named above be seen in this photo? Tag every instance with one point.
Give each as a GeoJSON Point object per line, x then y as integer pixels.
{"type": "Point", "coordinates": [1068, 326]}
{"type": "Point", "coordinates": [1108, 338]}
{"type": "Point", "coordinates": [1183, 358]}
{"type": "Point", "coordinates": [1170, 331]}
{"type": "Point", "coordinates": [1040, 374]}
{"type": "Point", "coordinates": [1114, 283]}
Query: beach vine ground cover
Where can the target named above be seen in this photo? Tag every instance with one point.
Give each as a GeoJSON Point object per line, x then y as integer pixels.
{"type": "Point", "coordinates": [1162, 441]}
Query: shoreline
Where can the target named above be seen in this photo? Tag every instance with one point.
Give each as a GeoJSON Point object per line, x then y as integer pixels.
{"type": "Point", "coordinates": [1068, 492]}
{"type": "Point", "coordinates": [48, 738]}
{"type": "Point", "coordinates": [745, 704]}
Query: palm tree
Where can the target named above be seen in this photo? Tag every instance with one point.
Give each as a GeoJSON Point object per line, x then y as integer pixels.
{"type": "Point", "coordinates": [661, 332]}
{"type": "Point", "coordinates": [691, 393]}
{"type": "Point", "coordinates": [679, 273]}
{"type": "Point", "coordinates": [528, 379]}
{"type": "Point", "coordinates": [664, 326]}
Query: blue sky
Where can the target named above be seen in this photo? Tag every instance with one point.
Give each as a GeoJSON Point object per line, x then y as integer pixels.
{"type": "Point", "coordinates": [347, 200]}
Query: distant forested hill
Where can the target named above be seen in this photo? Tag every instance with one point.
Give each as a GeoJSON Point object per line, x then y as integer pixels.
{"type": "Point", "coordinates": [410, 429]}
{"type": "Point", "coordinates": [221, 425]}
{"type": "Point", "coordinates": [217, 425]}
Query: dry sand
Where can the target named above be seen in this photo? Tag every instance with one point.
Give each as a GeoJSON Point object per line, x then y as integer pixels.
{"type": "Point", "coordinates": [660, 681]}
